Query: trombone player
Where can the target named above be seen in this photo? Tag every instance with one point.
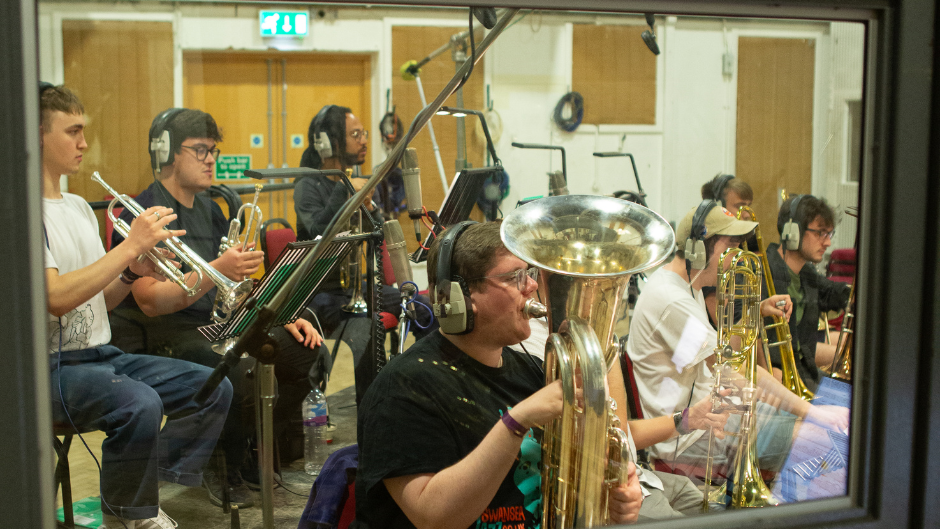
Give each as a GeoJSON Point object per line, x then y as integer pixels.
{"type": "Point", "coordinates": [162, 319]}
{"type": "Point", "coordinates": [672, 347]}
{"type": "Point", "coordinates": [806, 225]}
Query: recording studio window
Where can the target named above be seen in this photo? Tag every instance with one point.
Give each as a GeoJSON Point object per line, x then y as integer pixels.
{"type": "Point", "coordinates": [615, 72]}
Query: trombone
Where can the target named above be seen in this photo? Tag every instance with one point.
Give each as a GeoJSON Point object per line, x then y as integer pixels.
{"type": "Point", "coordinates": [253, 216]}
{"type": "Point", "coordinates": [791, 377]}
{"type": "Point", "coordinates": [230, 294]}
{"type": "Point", "coordinates": [740, 282]}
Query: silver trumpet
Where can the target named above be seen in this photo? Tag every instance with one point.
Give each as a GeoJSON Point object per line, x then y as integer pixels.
{"type": "Point", "coordinates": [230, 294]}
{"type": "Point", "coordinates": [253, 216]}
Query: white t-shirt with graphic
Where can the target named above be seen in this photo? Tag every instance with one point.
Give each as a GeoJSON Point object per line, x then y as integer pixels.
{"type": "Point", "coordinates": [72, 243]}
{"type": "Point", "coordinates": [670, 339]}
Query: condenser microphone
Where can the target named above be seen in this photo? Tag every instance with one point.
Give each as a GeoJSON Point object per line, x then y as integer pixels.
{"type": "Point", "coordinates": [556, 184]}
{"type": "Point", "coordinates": [411, 175]}
{"type": "Point", "coordinates": [397, 251]}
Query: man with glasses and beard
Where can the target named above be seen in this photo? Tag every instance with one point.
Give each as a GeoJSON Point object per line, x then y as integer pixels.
{"type": "Point", "coordinates": [162, 319]}
{"type": "Point", "coordinates": [806, 225]}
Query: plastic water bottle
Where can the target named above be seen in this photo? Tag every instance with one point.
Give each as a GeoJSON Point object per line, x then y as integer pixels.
{"type": "Point", "coordinates": [316, 413]}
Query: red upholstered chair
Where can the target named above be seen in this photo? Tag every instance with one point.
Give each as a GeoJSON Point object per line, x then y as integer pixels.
{"type": "Point", "coordinates": [629, 380]}
{"type": "Point", "coordinates": [841, 268]}
{"type": "Point", "coordinates": [273, 241]}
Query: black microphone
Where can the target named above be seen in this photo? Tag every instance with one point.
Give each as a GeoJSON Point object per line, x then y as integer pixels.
{"type": "Point", "coordinates": [486, 16]}
{"type": "Point", "coordinates": [397, 251]}
{"type": "Point", "coordinates": [411, 175]}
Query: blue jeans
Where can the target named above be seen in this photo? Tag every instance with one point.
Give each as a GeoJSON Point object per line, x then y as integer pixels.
{"type": "Point", "coordinates": [126, 396]}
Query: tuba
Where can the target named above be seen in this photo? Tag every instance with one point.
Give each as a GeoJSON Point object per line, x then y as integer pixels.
{"type": "Point", "coordinates": [791, 377]}
{"type": "Point", "coordinates": [739, 282]}
{"type": "Point", "coordinates": [586, 248]}
{"type": "Point", "coordinates": [230, 294]}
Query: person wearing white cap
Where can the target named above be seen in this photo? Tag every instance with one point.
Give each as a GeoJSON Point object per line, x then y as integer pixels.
{"type": "Point", "coordinates": [672, 344]}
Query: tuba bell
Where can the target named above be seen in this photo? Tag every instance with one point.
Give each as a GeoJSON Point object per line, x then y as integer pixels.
{"type": "Point", "coordinates": [586, 248]}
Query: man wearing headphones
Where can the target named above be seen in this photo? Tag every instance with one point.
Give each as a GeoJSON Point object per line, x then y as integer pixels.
{"type": "Point", "coordinates": [733, 193]}
{"type": "Point", "coordinates": [95, 385]}
{"type": "Point", "coordinates": [162, 319]}
{"type": "Point", "coordinates": [448, 431]}
{"type": "Point", "coordinates": [672, 347]}
{"type": "Point", "coordinates": [805, 224]}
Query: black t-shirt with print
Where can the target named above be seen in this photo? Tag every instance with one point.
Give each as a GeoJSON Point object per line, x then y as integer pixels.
{"type": "Point", "coordinates": [427, 410]}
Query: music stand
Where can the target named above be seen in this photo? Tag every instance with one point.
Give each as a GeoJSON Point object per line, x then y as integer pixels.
{"type": "Point", "coordinates": [273, 280]}
{"type": "Point", "coordinates": [457, 205]}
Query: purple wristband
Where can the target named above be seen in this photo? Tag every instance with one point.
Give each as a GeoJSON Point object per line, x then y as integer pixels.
{"type": "Point", "coordinates": [685, 421]}
{"type": "Point", "coordinates": [513, 426]}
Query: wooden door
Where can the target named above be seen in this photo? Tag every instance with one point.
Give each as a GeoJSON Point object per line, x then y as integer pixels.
{"type": "Point", "coordinates": [234, 88]}
{"type": "Point", "coordinates": [123, 73]}
{"type": "Point", "coordinates": [775, 121]}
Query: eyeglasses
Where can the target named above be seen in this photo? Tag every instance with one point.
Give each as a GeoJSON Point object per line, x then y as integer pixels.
{"type": "Point", "coordinates": [521, 276]}
{"type": "Point", "coordinates": [359, 134]}
{"type": "Point", "coordinates": [201, 151]}
{"type": "Point", "coordinates": [823, 233]}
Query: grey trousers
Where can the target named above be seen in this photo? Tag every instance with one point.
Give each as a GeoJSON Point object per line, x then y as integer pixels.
{"type": "Point", "coordinates": [679, 498]}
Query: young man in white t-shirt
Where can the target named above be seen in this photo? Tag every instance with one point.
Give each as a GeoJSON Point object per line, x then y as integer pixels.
{"type": "Point", "coordinates": [95, 385]}
{"type": "Point", "coordinates": [672, 347]}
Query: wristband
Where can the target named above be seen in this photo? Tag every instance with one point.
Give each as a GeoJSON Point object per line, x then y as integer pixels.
{"type": "Point", "coordinates": [129, 275]}
{"type": "Point", "coordinates": [513, 426]}
{"type": "Point", "coordinates": [680, 420]}
{"type": "Point", "coordinates": [685, 421]}
{"type": "Point", "coordinates": [125, 280]}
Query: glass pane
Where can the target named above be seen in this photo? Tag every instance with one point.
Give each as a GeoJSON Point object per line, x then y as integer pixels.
{"type": "Point", "coordinates": [764, 116]}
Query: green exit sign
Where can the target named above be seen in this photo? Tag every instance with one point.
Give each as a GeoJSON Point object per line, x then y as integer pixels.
{"type": "Point", "coordinates": [284, 23]}
{"type": "Point", "coordinates": [232, 166]}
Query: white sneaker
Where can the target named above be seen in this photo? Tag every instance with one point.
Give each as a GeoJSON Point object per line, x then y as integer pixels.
{"type": "Point", "coordinates": [161, 521]}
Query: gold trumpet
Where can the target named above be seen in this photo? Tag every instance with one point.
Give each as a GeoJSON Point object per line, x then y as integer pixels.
{"type": "Point", "coordinates": [586, 248]}
{"type": "Point", "coordinates": [739, 282]}
{"type": "Point", "coordinates": [791, 377]}
{"type": "Point", "coordinates": [253, 216]}
{"type": "Point", "coordinates": [231, 294]}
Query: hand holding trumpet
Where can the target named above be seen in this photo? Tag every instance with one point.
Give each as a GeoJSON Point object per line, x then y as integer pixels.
{"type": "Point", "coordinates": [148, 230]}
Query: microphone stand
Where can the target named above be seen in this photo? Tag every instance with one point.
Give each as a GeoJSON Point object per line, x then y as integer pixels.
{"type": "Point", "coordinates": [564, 162]}
{"type": "Point", "coordinates": [636, 175]}
{"type": "Point", "coordinates": [255, 339]}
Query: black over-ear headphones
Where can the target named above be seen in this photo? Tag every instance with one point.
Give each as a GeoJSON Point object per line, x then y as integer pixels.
{"type": "Point", "coordinates": [321, 139]}
{"type": "Point", "coordinates": [792, 230]}
{"type": "Point", "coordinates": [451, 295]}
{"type": "Point", "coordinates": [719, 187]}
{"type": "Point", "coordinates": [695, 244]}
{"type": "Point", "coordinates": [161, 152]}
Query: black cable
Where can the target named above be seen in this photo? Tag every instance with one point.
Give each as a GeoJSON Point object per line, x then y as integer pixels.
{"type": "Point", "coordinates": [575, 101]}
{"type": "Point", "coordinates": [473, 52]}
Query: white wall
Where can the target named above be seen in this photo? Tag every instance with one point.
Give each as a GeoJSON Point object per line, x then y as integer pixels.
{"type": "Point", "coordinates": [529, 69]}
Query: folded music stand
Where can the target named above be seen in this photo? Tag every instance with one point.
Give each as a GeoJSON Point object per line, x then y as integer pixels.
{"type": "Point", "coordinates": [457, 205]}
{"type": "Point", "coordinates": [274, 279]}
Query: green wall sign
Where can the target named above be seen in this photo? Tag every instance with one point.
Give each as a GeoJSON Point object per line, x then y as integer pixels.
{"type": "Point", "coordinates": [232, 166]}
{"type": "Point", "coordinates": [284, 23]}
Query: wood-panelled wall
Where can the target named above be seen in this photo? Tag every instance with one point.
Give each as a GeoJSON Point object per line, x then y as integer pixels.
{"type": "Point", "coordinates": [615, 73]}
{"type": "Point", "coordinates": [123, 73]}
{"type": "Point", "coordinates": [415, 43]}
{"type": "Point", "coordinates": [775, 121]}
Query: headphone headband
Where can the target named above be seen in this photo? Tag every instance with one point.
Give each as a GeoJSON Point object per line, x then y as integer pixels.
{"type": "Point", "coordinates": [161, 151]}
{"type": "Point", "coordinates": [695, 244]}
{"type": "Point", "coordinates": [793, 229]}
{"type": "Point", "coordinates": [718, 188]}
{"type": "Point", "coordinates": [321, 140]}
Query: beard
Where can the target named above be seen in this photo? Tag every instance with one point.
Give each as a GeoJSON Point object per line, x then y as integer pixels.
{"type": "Point", "coordinates": [351, 159]}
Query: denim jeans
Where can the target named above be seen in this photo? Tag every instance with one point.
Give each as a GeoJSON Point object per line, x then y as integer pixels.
{"type": "Point", "coordinates": [126, 396]}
